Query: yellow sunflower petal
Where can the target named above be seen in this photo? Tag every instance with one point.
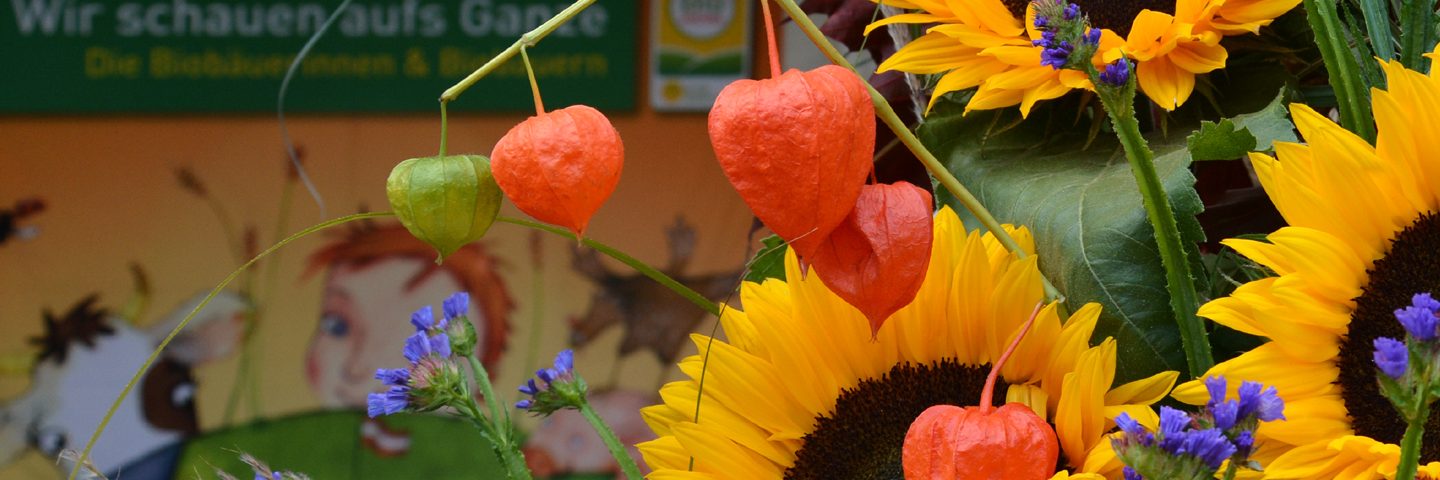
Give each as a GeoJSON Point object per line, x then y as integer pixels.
{"type": "Point", "coordinates": [1164, 83]}
{"type": "Point", "coordinates": [1144, 391]}
{"type": "Point", "coordinates": [1080, 417]}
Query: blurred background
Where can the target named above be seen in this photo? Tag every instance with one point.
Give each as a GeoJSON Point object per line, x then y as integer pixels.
{"type": "Point", "coordinates": [142, 160]}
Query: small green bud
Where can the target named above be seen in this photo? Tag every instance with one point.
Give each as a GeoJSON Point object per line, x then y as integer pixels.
{"type": "Point", "coordinates": [445, 201]}
{"type": "Point", "coordinates": [462, 336]}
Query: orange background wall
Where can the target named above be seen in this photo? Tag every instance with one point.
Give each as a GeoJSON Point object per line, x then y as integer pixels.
{"type": "Point", "coordinates": [113, 200]}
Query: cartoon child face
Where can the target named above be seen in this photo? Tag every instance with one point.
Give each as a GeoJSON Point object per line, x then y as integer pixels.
{"type": "Point", "coordinates": [364, 321]}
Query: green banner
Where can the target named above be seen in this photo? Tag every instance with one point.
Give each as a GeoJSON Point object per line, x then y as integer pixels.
{"type": "Point", "coordinates": [78, 56]}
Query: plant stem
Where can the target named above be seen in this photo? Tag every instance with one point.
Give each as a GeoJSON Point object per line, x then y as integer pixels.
{"type": "Point", "coordinates": [1417, 32]}
{"type": "Point", "coordinates": [933, 165]}
{"type": "Point", "coordinates": [534, 86]}
{"type": "Point", "coordinates": [1350, 91]}
{"type": "Point", "coordinates": [444, 127]}
{"type": "Point", "coordinates": [656, 275]}
{"type": "Point", "coordinates": [155, 354]}
{"type": "Point", "coordinates": [1230, 470]}
{"type": "Point", "coordinates": [770, 39]}
{"type": "Point", "coordinates": [482, 378]}
{"type": "Point", "coordinates": [612, 442]}
{"type": "Point", "coordinates": [529, 39]}
{"type": "Point", "coordinates": [1184, 301]}
{"type": "Point", "coordinates": [1410, 445]}
{"type": "Point", "coordinates": [499, 426]}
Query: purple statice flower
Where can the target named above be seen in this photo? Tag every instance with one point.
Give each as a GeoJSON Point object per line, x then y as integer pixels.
{"type": "Point", "coordinates": [558, 387]}
{"type": "Point", "coordinates": [426, 382]}
{"type": "Point", "coordinates": [389, 402]}
{"type": "Point", "coordinates": [457, 305]}
{"type": "Point", "coordinates": [1421, 318]}
{"type": "Point", "coordinates": [1092, 36]}
{"type": "Point", "coordinates": [1072, 11]}
{"type": "Point", "coordinates": [1391, 356]}
{"type": "Point", "coordinates": [1209, 445]}
{"type": "Point", "coordinates": [1116, 74]}
{"type": "Point", "coordinates": [1131, 474]}
{"type": "Point", "coordinates": [1226, 414]}
{"type": "Point", "coordinates": [1056, 54]}
{"type": "Point", "coordinates": [1243, 443]}
{"type": "Point", "coordinates": [1134, 432]}
{"type": "Point", "coordinates": [1042, 22]}
{"type": "Point", "coordinates": [423, 319]}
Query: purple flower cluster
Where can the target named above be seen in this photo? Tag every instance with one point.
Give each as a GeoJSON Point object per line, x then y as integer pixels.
{"type": "Point", "coordinates": [1063, 29]}
{"type": "Point", "coordinates": [558, 387]}
{"type": "Point", "coordinates": [1421, 320]}
{"type": "Point", "coordinates": [1194, 448]}
{"type": "Point", "coordinates": [1116, 74]}
{"type": "Point", "coordinates": [428, 352]}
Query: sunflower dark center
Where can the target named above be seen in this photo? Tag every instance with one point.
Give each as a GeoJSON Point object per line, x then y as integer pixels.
{"type": "Point", "coordinates": [863, 438]}
{"type": "Point", "coordinates": [1411, 266]}
{"type": "Point", "coordinates": [1115, 15]}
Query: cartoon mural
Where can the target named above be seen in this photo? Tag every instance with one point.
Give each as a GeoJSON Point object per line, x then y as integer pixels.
{"type": "Point", "coordinates": [85, 357]}
{"type": "Point", "coordinates": [374, 278]}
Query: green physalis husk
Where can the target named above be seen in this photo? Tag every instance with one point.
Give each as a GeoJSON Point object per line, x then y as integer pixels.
{"type": "Point", "coordinates": [446, 201]}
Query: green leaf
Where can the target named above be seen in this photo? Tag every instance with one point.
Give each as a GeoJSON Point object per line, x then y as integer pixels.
{"type": "Point", "coordinates": [769, 262]}
{"type": "Point", "coordinates": [1220, 141]}
{"type": "Point", "coordinates": [1232, 138]}
{"type": "Point", "coordinates": [1094, 240]}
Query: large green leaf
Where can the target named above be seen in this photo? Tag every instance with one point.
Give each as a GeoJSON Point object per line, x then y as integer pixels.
{"type": "Point", "coordinates": [1085, 210]}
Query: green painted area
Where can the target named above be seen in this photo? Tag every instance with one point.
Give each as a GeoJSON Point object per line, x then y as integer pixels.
{"type": "Point", "coordinates": [83, 56]}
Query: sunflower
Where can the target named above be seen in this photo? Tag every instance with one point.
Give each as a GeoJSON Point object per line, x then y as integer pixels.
{"type": "Point", "coordinates": [1363, 237]}
{"type": "Point", "coordinates": [984, 43]}
{"type": "Point", "coordinates": [801, 390]}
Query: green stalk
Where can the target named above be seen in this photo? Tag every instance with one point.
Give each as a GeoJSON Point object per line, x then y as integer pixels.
{"type": "Point", "coordinates": [501, 431]}
{"type": "Point", "coordinates": [114, 406]}
{"type": "Point", "coordinates": [1377, 25]}
{"type": "Point", "coordinates": [612, 442]}
{"type": "Point", "coordinates": [656, 275]}
{"type": "Point", "coordinates": [902, 131]}
{"type": "Point", "coordinates": [1410, 446]}
{"type": "Point", "coordinates": [529, 39]}
{"type": "Point", "coordinates": [482, 378]}
{"type": "Point", "coordinates": [444, 127]}
{"type": "Point", "coordinates": [1184, 301]}
{"type": "Point", "coordinates": [1230, 470]}
{"type": "Point", "coordinates": [1345, 79]}
{"type": "Point", "coordinates": [1417, 33]}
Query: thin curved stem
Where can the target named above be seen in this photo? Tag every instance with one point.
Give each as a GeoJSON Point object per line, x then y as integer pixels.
{"type": "Point", "coordinates": [534, 86]}
{"type": "Point", "coordinates": [444, 127]}
{"type": "Point", "coordinates": [617, 449]}
{"type": "Point", "coordinates": [932, 164]}
{"type": "Point", "coordinates": [176, 331]}
{"type": "Point", "coordinates": [529, 39]}
{"type": "Point", "coordinates": [770, 39]}
{"type": "Point", "coordinates": [645, 269]}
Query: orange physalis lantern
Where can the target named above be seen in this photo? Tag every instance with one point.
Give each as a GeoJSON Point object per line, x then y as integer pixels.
{"type": "Point", "coordinates": [877, 257]}
{"type": "Point", "coordinates": [797, 147]}
{"type": "Point", "coordinates": [982, 443]}
{"type": "Point", "coordinates": [559, 167]}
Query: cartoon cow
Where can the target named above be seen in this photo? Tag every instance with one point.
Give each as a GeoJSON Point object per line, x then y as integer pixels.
{"type": "Point", "coordinates": [652, 316]}
{"type": "Point", "coordinates": [86, 357]}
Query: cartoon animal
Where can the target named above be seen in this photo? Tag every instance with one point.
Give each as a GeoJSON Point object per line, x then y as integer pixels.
{"type": "Point", "coordinates": [86, 356]}
{"type": "Point", "coordinates": [565, 442]}
{"type": "Point", "coordinates": [652, 316]}
{"type": "Point", "coordinates": [376, 276]}
{"type": "Point", "coordinates": [10, 227]}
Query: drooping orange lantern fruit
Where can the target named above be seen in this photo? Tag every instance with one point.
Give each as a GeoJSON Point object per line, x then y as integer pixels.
{"type": "Point", "coordinates": [877, 257]}
{"type": "Point", "coordinates": [947, 442]}
{"type": "Point", "coordinates": [797, 147]}
{"type": "Point", "coordinates": [559, 167]}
